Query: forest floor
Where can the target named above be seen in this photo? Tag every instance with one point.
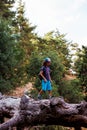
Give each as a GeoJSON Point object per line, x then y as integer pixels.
{"type": "Point", "coordinates": [19, 91]}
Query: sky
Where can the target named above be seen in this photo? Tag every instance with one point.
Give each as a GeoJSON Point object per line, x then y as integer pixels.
{"type": "Point", "coordinates": [68, 16]}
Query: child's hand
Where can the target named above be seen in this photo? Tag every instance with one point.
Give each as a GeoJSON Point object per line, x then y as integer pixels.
{"type": "Point", "coordinates": [45, 80]}
{"type": "Point", "coordinates": [51, 81]}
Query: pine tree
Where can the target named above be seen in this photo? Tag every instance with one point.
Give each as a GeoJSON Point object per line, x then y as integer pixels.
{"type": "Point", "coordinates": [25, 30]}
{"type": "Point", "coordinates": [54, 41]}
{"type": "Point", "coordinates": [81, 66]}
{"type": "Point", "coordinates": [5, 8]}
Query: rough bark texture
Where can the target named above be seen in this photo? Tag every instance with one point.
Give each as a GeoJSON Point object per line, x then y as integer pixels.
{"type": "Point", "coordinates": [24, 112]}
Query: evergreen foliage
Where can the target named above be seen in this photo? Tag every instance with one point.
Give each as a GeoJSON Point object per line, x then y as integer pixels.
{"type": "Point", "coordinates": [71, 90]}
{"type": "Point", "coordinates": [5, 9]}
{"type": "Point", "coordinates": [22, 52]}
{"type": "Point", "coordinates": [25, 30]}
{"type": "Point", "coordinates": [61, 87]}
{"type": "Point", "coordinates": [6, 51]}
{"type": "Point", "coordinates": [81, 67]}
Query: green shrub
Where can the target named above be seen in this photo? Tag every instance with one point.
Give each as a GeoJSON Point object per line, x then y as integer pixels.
{"type": "Point", "coordinates": [5, 85]}
{"type": "Point", "coordinates": [71, 91]}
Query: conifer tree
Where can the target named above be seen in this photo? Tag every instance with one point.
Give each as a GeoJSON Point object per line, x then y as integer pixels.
{"type": "Point", "coordinates": [10, 58]}
{"type": "Point", "coordinates": [81, 67]}
{"type": "Point", "coordinates": [6, 9]}
{"type": "Point", "coordinates": [24, 29]}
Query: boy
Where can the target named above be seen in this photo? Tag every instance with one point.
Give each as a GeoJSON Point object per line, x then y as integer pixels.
{"type": "Point", "coordinates": [46, 78]}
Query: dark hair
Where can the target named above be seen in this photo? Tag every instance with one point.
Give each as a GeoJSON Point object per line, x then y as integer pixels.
{"type": "Point", "coordinates": [45, 63]}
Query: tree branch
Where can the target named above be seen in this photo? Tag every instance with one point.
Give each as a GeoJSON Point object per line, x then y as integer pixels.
{"type": "Point", "coordinates": [10, 123]}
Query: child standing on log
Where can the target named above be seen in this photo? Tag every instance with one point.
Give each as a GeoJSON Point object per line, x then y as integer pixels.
{"type": "Point", "coordinates": [46, 78]}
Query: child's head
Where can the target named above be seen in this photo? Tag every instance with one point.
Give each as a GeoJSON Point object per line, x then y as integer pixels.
{"type": "Point", "coordinates": [47, 62]}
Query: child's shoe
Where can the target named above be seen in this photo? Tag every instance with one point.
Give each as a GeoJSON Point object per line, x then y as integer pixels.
{"type": "Point", "coordinates": [50, 97]}
{"type": "Point", "coordinates": [39, 97]}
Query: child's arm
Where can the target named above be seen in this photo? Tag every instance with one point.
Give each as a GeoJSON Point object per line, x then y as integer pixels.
{"type": "Point", "coordinates": [50, 79]}
{"type": "Point", "coordinates": [41, 73]}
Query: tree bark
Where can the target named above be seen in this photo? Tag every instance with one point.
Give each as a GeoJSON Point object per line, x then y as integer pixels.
{"type": "Point", "coordinates": [25, 112]}
{"type": "Point", "coordinates": [77, 128]}
{"type": "Point", "coordinates": [1, 119]}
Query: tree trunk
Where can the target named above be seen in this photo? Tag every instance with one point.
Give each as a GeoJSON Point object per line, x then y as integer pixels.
{"type": "Point", "coordinates": [1, 119]}
{"type": "Point", "coordinates": [77, 128]}
{"type": "Point", "coordinates": [25, 112]}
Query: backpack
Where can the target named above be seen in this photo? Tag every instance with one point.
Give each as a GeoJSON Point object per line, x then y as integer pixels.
{"type": "Point", "coordinates": [44, 70]}
{"type": "Point", "coordinates": [40, 77]}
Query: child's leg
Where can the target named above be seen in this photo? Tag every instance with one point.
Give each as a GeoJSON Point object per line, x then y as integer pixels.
{"type": "Point", "coordinates": [49, 87]}
{"type": "Point", "coordinates": [40, 94]}
{"type": "Point", "coordinates": [44, 84]}
{"type": "Point", "coordinates": [50, 94]}
{"type": "Point", "coordinates": [41, 91]}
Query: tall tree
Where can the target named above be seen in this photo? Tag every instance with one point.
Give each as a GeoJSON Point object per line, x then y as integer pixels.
{"type": "Point", "coordinates": [54, 41]}
{"type": "Point", "coordinates": [5, 8]}
{"type": "Point", "coordinates": [24, 28]}
{"type": "Point", "coordinates": [26, 35]}
{"type": "Point", "coordinates": [81, 66]}
{"type": "Point", "coordinates": [10, 57]}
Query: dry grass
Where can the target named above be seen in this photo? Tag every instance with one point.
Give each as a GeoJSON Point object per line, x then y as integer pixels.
{"type": "Point", "coordinates": [19, 91]}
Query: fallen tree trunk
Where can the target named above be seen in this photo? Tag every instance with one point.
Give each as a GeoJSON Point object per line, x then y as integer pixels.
{"type": "Point", "coordinates": [24, 112]}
